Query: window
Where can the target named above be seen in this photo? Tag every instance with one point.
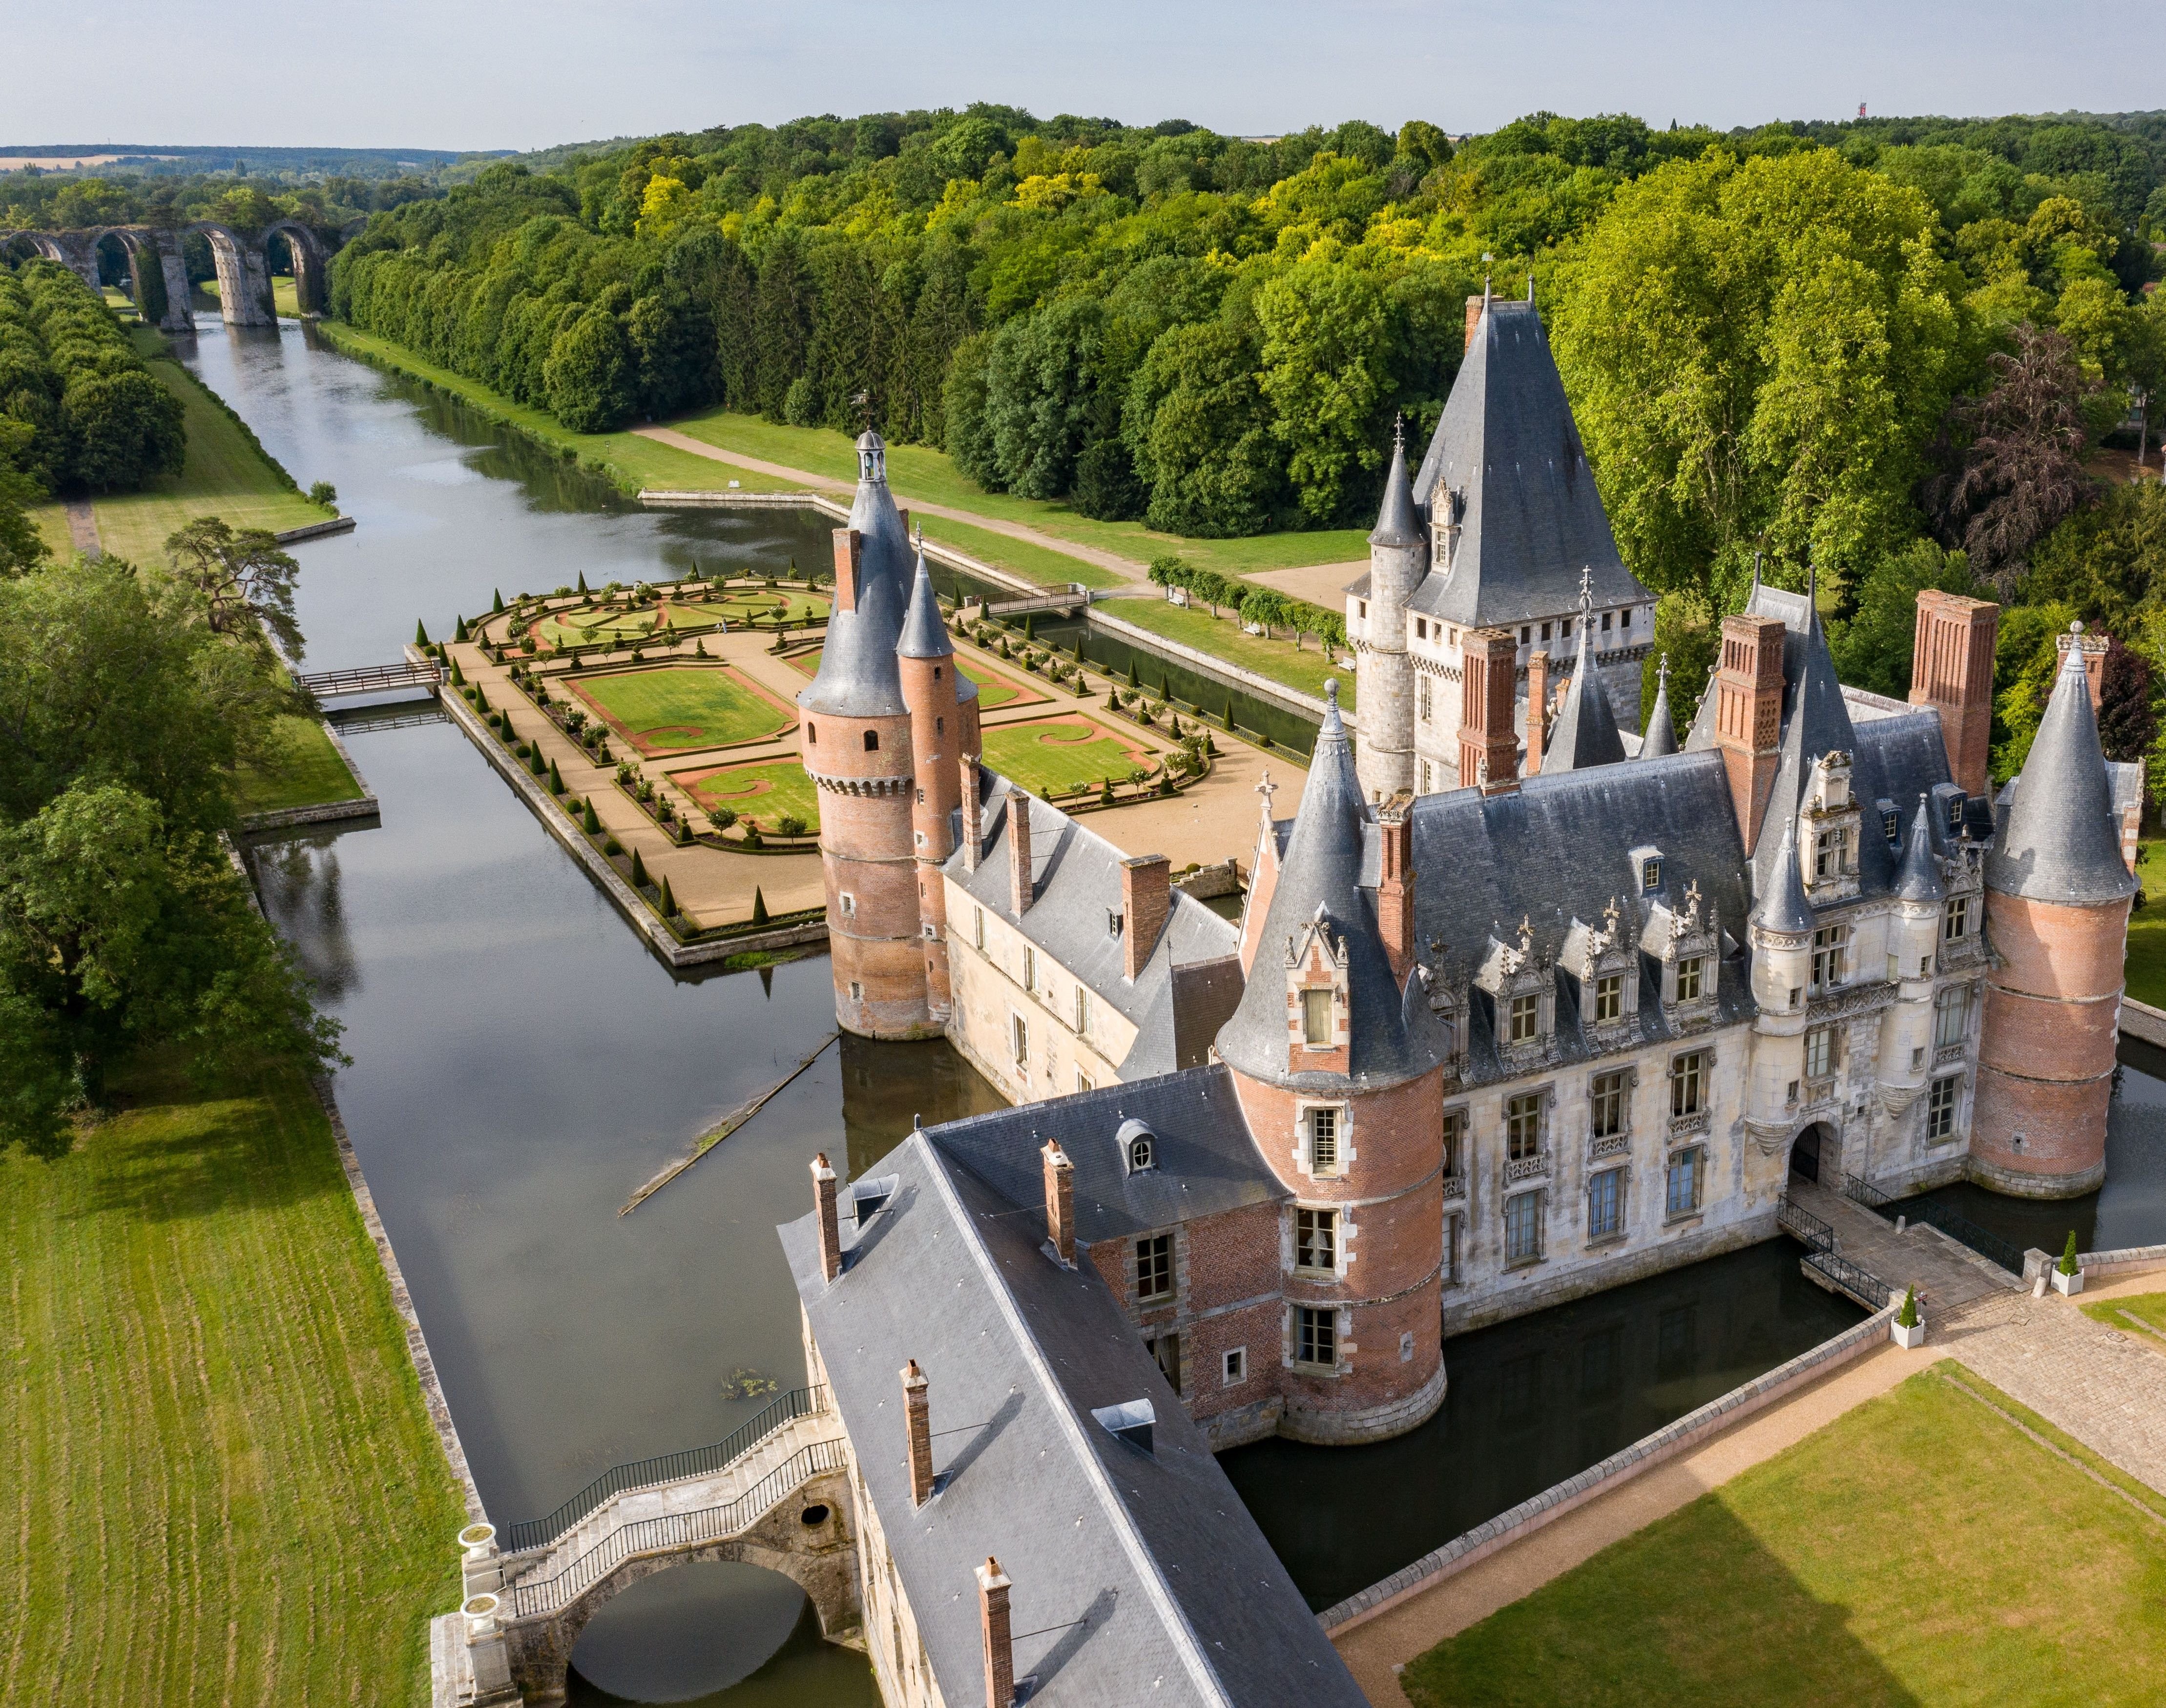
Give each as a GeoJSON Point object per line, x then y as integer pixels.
{"type": "Point", "coordinates": [1364, 604]}
{"type": "Point", "coordinates": [1564, 628]}
{"type": "Point", "coordinates": [1525, 634]}
{"type": "Point", "coordinates": [1954, 919]}
{"type": "Point", "coordinates": [1021, 1039]}
{"type": "Point", "coordinates": [1315, 1336]}
{"type": "Point", "coordinates": [1624, 619]}
{"type": "Point", "coordinates": [1082, 1009]}
{"type": "Point", "coordinates": [1140, 1154]}
{"type": "Point", "coordinates": [1608, 997]}
{"type": "Point", "coordinates": [1316, 1239]}
{"type": "Point", "coordinates": [1605, 1203]}
{"type": "Point", "coordinates": [1688, 1083]}
{"type": "Point", "coordinates": [978, 928]}
{"type": "Point", "coordinates": [1030, 969]}
{"type": "Point", "coordinates": [1155, 1267]}
{"type": "Point", "coordinates": [1455, 1142]}
{"type": "Point", "coordinates": [849, 905]}
{"type": "Point", "coordinates": [1424, 777]}
{"type": "Point", "coordinates": [872, 740]}
{"type": "Point", "coordinates": [1323, 1140]}
{"type": "Point", "coordinates": [1688, 978]}
{"type": "Point", "coordinates": [1165, 1352]}
{"type": "Point", "coordinates": [1819, 1054]}
{"type": "Point", "coordinates": [1234, 1367]}
{"type": "Point", "coordinates": [1891, 826]}
{"type": "Point", "coordinates": [1830, 956]}
{"type": "Point", "coordinates": [1605, 622]}
{"type": "Point", "coordinates": [1650, 874]}
{"type": "Point", "coordinates": [1083, 1082]}
{"type": "Point", "coordinates": [1545, 631]}
{"type": "Point", "coordinates": [1423, 691]}
{"type": "Point", "coordinates": [1526, 1019]}
{"type": "Point", "coordinates": [1683, 1197]}
{"type": "Point", "coordinates": [1523, 1227]}
{"type": "Point", "coordinates": [1316, 1018]}
{"type": "Point", "coordinates": [1951, 1017]}
{"type": "Point", "coordinates": [1830, 851]}
{"type": "Point", "coordinates": [813, 733]}
{"type": "Point", "coordinates": [1452, 1225]}
{"type": "Point", "coordinates": [1421, 633]}
{"type": "Point", "coordinates": [939, 724]}
{"type": "Point", "coordinates": [856, 991]}
{"type": "Point", "coordinates": [1523, 1126]}
{"type": "Point", "coordinates": [1605, 1099]}
{"type": "Point", "coordinates": [1941, 1108]}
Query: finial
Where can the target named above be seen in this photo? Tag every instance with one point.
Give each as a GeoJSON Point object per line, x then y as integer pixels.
{"type": "Point", "coordinates": [2076, 627]}
{"type": "Point", "coordinates": [1812, 587]}
{"type": "Point", "coordinates": [1757, 555]}
{"type": "Point", "coordinates": [1486, 259]}
{"type": "Point", "coordinates": [1398, 432]}
{"type": "Point", "coordinates": [1530, 285]}
{"type": "Point", "coordinates": [917, 1124]}
{"type": "Point", "coordinates": [1585, 591]}
{"type": "Point", "coordinates": [1662, 672]}
{"type": "Point", "coordinates": [1331, 692]}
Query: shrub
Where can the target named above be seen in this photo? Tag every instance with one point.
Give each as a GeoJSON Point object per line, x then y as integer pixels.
{"type": "Point", "coordinates": [669, 909]}
{"type": "Point", "coordinates": [556, 779]}
{"type": "Point", "coordinates": [639, 878]}
{"type": "Point", "coordinates": [324, 493]}
{"type": "Point", "coordinates": [758, 905]}
{"type": "Point", "coordinates": [2068, 1254]}
{"type": "Point", "coordinates": [612, 846]}
{"type": "Point", "coordinates": [1907, 1317]}
{"type": "Point", "coordinates": [458, 676]}
{"type": "Point", "coordinates": [420, 633]}
{"type": "Point", "coordinates": [499, 605]}
{"type": "Point", "coordinates": [1106, 790]}
{"type": "Point", "coordinates": [752, 837]}
{"type": "Point", "coordinates": [684, 832]}
{"type": "Point", "coordinates": [624, 772]}
{"type": "Point", "coordinates": [460, 632]}
{"type": "Point", "coordinates": [722, 818]}
{"type": "Point", "coordinates": [645, 791]}
{"type": "Point", "coordinates": [788, 824]}
{"type": "Point", "coordinates": [590, 821]}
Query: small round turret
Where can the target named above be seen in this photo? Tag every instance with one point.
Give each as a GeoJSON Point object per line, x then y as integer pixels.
{"type": "Point", "coordinates": [1384, 670]}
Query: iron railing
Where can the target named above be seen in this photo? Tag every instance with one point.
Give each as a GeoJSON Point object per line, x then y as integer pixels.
{"type": "Point", "coordinates": [1816, 1233]}
{"type": "Point", "coordinates": [370, 679]}
{"type": "Point", "coordinates": [1853, 1280]}
{"type": "Point", "coordinates": [1961, 1228]}
{"type": "Point", "coordinates": [667, 1468]}
{"type": "Point", "coordinates": [670, 1530]}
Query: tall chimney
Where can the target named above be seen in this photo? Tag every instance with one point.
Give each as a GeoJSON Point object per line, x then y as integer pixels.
{"type": "Point", "coordinates": [831, 1232]}
{"type": "Point", "coordinates": [1473, 319]}
{"type": "Point", "coordinates": [1488, 746]}
{"type": "Point", "coordinates": [1538, 708]}
{"type": "Point", "coordinates": [1395, 883]}
{"type": "Point", "coordinates": [999, 1646]}
{"type": "Point", "coordinates": [1952, 671]}
{"type": "Point", "coordinates": [1023, 887]}
{"type": "Point", "coordinates": [1059, 1201]}
{"type": "Point", "coordinates": [1146, 899]}
{"type": "Point", "coordinates": [850, 553]}
{"type": "Point", "coordinates": [917, 1420]}
{"type": "Point", "coordinates": [1748, 716]}
{"type": "Point", "coordinates": [974, 816]}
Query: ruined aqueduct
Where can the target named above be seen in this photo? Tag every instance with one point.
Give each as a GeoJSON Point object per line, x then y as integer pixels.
{"type": "Point", "coordinates": [154, 253]}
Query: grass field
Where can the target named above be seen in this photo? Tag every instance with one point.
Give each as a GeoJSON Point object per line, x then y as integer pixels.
{"type": "Point", "coordinates": [2146, 928]}
{"type": "Point", "coordinates": [1305, 668]}
{"type": "Point", "coordinates": [285, 296]}
{"type": "Point", "coordinates": [761, 793]}
{"type": "Point", "coordinates": [993, 690]}
{"type": "Point", "coordinates": [306, 771]}
{"type": "Point", "coordinates": [1917, 1550]}
{"type": "Point", "coordinates": [221, 1486]}
{"type": "Point", "coordinates": [1061, 753]}
{"type": "Point", "coordinates": [629, 461]}
{"type": "Point", "coordinates": [2151, 1307]}
{"type": "Point", "coordinates": [585, 626]}
{"type": "Point", "coordinates": [684, 705]}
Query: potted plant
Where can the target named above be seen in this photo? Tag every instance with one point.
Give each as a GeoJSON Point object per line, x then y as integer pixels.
{"type": "Point", "coordinates": [1908, 1330]}
{"type": "Point", "coordinates": [2067, 1278]}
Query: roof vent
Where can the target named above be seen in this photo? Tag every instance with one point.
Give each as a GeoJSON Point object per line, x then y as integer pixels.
{"type": "Point", "coordinates": [1138, 1147]}
{"type": "Point", "coordinates": [1131, 1422]}
{"type": "Point", "coordinates": [870, 1197]}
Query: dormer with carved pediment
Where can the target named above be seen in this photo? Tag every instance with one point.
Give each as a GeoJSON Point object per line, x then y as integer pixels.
{"type": "Point", "coordinates": [1320, 1015]}
{"type": "Point", "coordinates": [1522, 988]}
{"type": "Point", "coordinates": [1602, 963]}
{"type": "Point", "coordinates": [1447, 988]}
{"type": "Point", "coordinates": [1685, 943]}
{"type": "Point", "coordinates": [1830, 824]}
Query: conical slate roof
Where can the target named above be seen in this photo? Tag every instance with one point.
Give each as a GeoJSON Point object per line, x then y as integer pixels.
{"type": "Point", "coordinates": [1783, 905]}
{"type": "Point", "coordinates": [1393, 1037]}
{"type": "Point", "coordinates": [924, 635]}
{"type": "Point", "coordinates": [857, 675]}
{"type": "Point", "coordinates": [1399, 523]}
{"type": "Point", "coordinates": [1920, 879]}
{"type": "Point", "coordinates": [2059, 841]}
{"type": "Point", "coordinates": [1662, 737]}
{"type": "Point", "coordinates": [1585, 732]}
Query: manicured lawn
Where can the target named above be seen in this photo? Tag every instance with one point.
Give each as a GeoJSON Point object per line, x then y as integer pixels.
{"type": "Point", "coordinates": [2149, 1307]}
{"type": "Point", "coordinates": [305, 771]}
{"type": "Point", "coordinates": [1919, 1549]}
{"type": "Point", "coordinates": [1061, 753]}
{"type": "Point", "coordinates": [993, 690]}
{"type": "Point", "coordinates": [51, 522]}
{"type": "Point", "coordinates": [1037, 563]}
{"type": "Point", "coordinates": [2147, 927]}
{"type": "Point", "coordinates": [683, 705]}
{"type": "Point", "coordinates": [627, 459]}
{"type": "Point", "coordinates": [1303, 667]}
{"type": "Point", "coordinates": [221, 1486]}
{"type": "Point", "coordinates": [285, 296]}
{"type": "Point", "coordinates": [761, 793]}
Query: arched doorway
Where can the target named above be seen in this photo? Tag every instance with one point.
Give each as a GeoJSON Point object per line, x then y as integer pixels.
{"type": "Point", "coordinates": [1816, 1148]}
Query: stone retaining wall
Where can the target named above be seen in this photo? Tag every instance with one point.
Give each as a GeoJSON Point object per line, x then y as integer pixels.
{"type": "Point", "coordinates": [2142, 1021]}
{"type": "Point", "coordinates": [1688, 1432]}
{"type": "Point", "coordinates": [363, 806]}
{"type": "Point", "coordinates": [2129, 1260]}
{"type": "Point", "coordinates": [1292, 699]}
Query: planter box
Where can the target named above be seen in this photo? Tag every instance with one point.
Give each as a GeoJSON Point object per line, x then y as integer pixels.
{"type": "Point", "coordinates": [2068, 1285]}
{"type": "Point", "coordinates": [1908, 1338]}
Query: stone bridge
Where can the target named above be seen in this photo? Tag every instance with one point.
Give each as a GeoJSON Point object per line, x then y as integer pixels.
{"type": "Point", "coordinates": [158, 276]}
{"type": "Point", "coordinates": [779, 1500]}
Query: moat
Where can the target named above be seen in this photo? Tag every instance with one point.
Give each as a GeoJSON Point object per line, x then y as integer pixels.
{"type": "Point", "coordinates": [521, 1062]}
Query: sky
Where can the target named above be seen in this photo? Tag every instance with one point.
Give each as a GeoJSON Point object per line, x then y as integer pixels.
{"type": "Point", "coordinates": [477, 74]}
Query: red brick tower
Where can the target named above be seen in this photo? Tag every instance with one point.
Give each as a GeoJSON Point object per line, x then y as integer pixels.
{"type": "Point", "coordinates": [1338, 1068]}
{"type": "Point", "coordinates": [2057, 914]}
{"type": "Point", "coordinates": [854, 734]}
{"type": "Point", "coordinates": [1488, 746]}
{"type": "Point", "coordinates": [943, 731]}
{"type": "Point", "coordinates": [1952, 671]}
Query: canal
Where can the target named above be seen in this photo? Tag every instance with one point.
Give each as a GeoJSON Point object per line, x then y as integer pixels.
{"type": "Point", "coordinates": [520, 1063]}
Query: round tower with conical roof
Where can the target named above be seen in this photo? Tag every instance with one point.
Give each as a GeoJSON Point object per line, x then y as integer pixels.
{"type": "Point", "coordinates": [943, 728]}
{"type": "Point", "coordinates": [1338, 1064]}
{"type": "Point", "coordinates": [2056, 900]}
{"type": "Point", "coordinates": [1914, 941]}
{"type": "Point", "coordinates": [1383, 669]}
{"type": "Point", "coordinates": [1781, 930]}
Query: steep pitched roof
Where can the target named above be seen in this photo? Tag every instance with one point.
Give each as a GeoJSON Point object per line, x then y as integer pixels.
{"type": "Point", "coordinates": [858, 676]}
{"type": "Point", "coordinates": [924, 635]}
{"type": "Point", "coordinates": [1920, 879]}
{"type": "Point", "coordinates": [1533, 519]}
{"type": "Point", "coordinates": [1662, 737]}
{"type": "Point", "coordinates": [1585, 732]}
{"type": "Point", "coordinates": [1397, 522]}
{"type": "Point", "coordinates": [1783, 905]}
{"type": "Point", "coordinates": [2059, 841]}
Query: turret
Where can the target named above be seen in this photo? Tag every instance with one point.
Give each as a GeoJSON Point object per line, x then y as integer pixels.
{"type": "Point", "coordinates": [939, 737]}
{"type": "Point", "coordinates": [2057, 899]}
{"type": "Point", "coordinates": [1338, 1068]}
{"type": "Point", "coordinates": [1384, 671]}
{"type": "Point", "coordinates": [1585, 733]}
{"type": "Point", "coordinates": [1662, 737]}
{"type": "Point", "coordinates": [1914, 940]}
{"type": "Point", "coordinates": [1781, 930]}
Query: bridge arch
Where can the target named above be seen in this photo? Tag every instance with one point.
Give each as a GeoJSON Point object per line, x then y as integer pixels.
{"type": "Point", "coordinates": [308, 258]}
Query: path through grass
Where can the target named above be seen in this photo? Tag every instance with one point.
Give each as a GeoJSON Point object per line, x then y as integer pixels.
{"type": "Point", "coordinates": [1920, 1549]}
{"type": "Point", "coordinates": [220, 1484]}
{"type": "Point", "coordinates": [682, 706]}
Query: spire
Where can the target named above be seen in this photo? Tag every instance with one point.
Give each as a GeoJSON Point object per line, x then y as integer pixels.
{"type": "Point", "coordinates": [1783, 908]}
{"type": "Point", "coordinates": [924, 635]}
{"type": "Point", "coordinates": [1662, 737]}
{"type": "Point", "coordinates": [1585, 732]}
{"type": "Point", "coordinates": [2059, 841]}
{"type": "Point", "coordinates": [1397, 522]}
{"type": "Point", "coordinates": [1920, 879]}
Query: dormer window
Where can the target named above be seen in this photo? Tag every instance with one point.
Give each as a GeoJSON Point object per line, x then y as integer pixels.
{"type": "Point", "coordinates": [1955, 812]}
{"type": "Point", "coordinates": [1608, 999]}
{"type": "Point", "coordinates": [1891, 826]}
{"type": "Point", "coordinates": [1526, 1019]}
{"type": "Point", "coordinates": [1113, 922]}
{"type": "Point", "coordinates": [1138, 1147]}
{"type": "Point", "coordinates": [1830, 854]}
{"type": "Point", "coordinates": [1316, 1018]}
{"type": "Point", "coordinates": [1651, 873]}
{"type": "Point", "coordinates": [1689, 970]}
{"type": "Point", "coordinates": [1139, 1153]}
{"type": "Point", "coordinates": [1955, 920]}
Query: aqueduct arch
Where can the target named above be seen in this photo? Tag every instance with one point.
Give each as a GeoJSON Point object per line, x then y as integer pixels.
{"type": "Point", "coordinates": [241, 257]}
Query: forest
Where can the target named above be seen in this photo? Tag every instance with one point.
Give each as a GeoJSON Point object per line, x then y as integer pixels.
{"type": "Point", "coordinates": [79, 410]}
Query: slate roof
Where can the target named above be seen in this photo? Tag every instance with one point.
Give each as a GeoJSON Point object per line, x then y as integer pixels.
{"type": "Point", "coordinates": [1077, 885]}
{"type": "Point", "coordinates": [1920, 879]}
{"type": "Point", "coordinates": [857, 675]}
{"type": "Point", "coordinates": [1585, 730]}
{"type": "Point", "coordinates": [1399, 523]}
{"type": "Point", "coordinates": [924, 635]}
{"type": "Point", "coordinates": [2059, 840]}
{"type": "Point", "coordinates": [1661, 733]}
{"type": "Point", "coordinates": [1141, 1576]}
{"type": "Point", "coordinates": [1783, 907]}
{"type": "Point", "coordinates": [1533, 518]}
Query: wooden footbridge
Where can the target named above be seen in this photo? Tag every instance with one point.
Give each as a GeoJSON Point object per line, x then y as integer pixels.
{"type": "Point", "coordinates": [374, 678]}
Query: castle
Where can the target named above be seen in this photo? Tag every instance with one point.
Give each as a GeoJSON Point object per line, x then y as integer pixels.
{"type": "Point", "coordinates": [1523, 1003]}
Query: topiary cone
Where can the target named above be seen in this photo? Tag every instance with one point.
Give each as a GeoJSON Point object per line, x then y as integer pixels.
{"type": "Point", "coordinates": [592, 823]}
{"type": "Point", "coordinates": [668, 899]}
{"type": "Point", "coordinates": [2068, 1254]}
{"type": "Point", "coordinates": [460, 632]}
{"type": "Point", "coordinates": [458, 675]}
{"type": "Point", "coordinates": [420, 633]}
{"type": "Point", "coordinates": [758, 906]}
{"type": "Point", "coordinates": [499, 606]}
{"type": "Point", "coordinates": [639, 878]}
{"type": "Point", "coordinates": [556, 779]}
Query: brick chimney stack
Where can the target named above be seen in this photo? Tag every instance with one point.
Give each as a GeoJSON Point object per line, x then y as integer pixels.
{"type": "Point", "coordinates": [1488, 746]}
{"type": "Point", "coordinates": [831, 1232]}
{"type": "Point", "coordinates": [974, 816]}
{"type": "Point", "coordinates": [1473, 319]}
{"type": "Point", "coordinates": [1748, 687]}
{"type": "Point", "coordinates": [1952, 671]}
{"type": "Point", "coordinates": [1059, 1201]}
{"type": "Point", "coordinates": [1538, 708]}
{"type": "Point", "coordinates": [849, 553]}
{"type": "Point", "coordinates": [917, 1420]}
{"type": "Point", "coordinates": [1146, 900]}
{"type": "Point", "coordinates": [1395, 883]}
{"type": "Point", "coordinates": [1023, 887]}
{"type": "Point", "coordinates": [999, 1644]}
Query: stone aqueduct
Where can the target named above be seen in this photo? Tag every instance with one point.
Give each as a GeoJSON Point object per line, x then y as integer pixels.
{"type": "Point", "coordinates": [241, 256]}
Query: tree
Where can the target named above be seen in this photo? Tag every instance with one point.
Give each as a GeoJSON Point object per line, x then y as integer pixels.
{"type": "Point", "coordinates": [1327, 360]}
{"type": "Point", "coordinates": [1199, 431]}
{"type": "Point", "coordinates": [126, 428]}
{"type": "Point", "coordinates": [1872, 648]}
{"type": "Point", "coordinates": [1040, 375]}
{"type": "Point", "coordinates": [2128, 713]}
{"type": "Point", "coordinates": [22, 547]}
{"type": "Point", "coordinates": [245, 581]}
{"type": "Point", "coordinates": [591, 374]}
